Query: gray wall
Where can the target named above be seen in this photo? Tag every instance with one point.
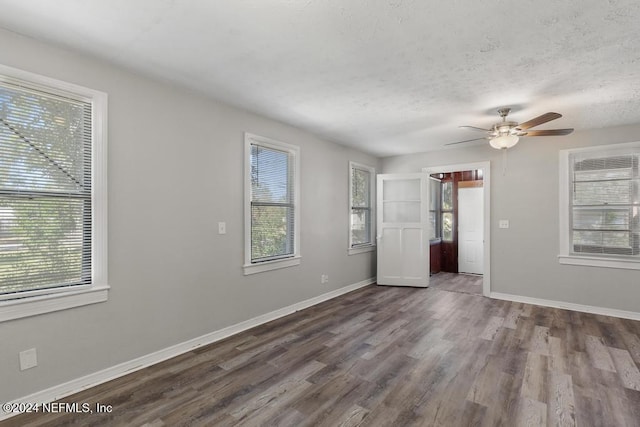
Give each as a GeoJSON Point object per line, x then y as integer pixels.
{"type": "Point", "coordinates": [524, 257]}
{"type": "Point", "coordinates": [175, 170]}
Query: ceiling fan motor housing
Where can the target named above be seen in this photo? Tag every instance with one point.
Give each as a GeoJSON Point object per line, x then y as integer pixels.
{"type": "Point", "coordinates": [505, 128]}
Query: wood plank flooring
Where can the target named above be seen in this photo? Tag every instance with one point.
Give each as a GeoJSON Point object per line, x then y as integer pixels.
{"type": "Point", "coordinates": [389, 356]}
{"type": "Point", "coordinates": [465, 283]}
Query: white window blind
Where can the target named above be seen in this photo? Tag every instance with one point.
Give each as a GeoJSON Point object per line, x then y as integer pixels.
{"type": "Point", "coordinates": [360, 206]}
{"type": "Point", "coordinates": [605, 203]}
{"type": "Point", "coordinates": [45, 190]}
{"type": "Point", "coordinates": [446, 209]}
{"type": "Point", "coordinates": [272, 204]}
{"type": "Point", "coordinates": [434, 208]}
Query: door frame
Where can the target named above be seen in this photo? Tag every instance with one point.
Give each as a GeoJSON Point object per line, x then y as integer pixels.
{"type": "Point", "coordinates": [486, 177]}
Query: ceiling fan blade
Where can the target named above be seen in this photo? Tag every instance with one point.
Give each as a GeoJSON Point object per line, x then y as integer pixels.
{"type": "Point", "coordinates": [475, 128]}
{"type": "Point", "coordinates": [466, 140]}
{"type": "Point", "coordinates": [548, 132]}
{"type": "Point", "coordinates": [539, 120]}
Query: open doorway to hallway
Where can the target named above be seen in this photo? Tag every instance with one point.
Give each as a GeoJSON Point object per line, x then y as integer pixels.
{"type": "Point", "coordinates": [459, 216]}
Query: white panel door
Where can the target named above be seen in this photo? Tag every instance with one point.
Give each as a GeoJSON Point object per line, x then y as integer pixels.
{"type": "Point", "coordinates": [470, 230]}
{"type": "Point", "coordinates": [403, 230]}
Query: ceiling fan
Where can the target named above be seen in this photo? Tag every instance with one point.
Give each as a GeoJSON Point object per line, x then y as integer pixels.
{"type": "Point", "coordinates": [505, 134]}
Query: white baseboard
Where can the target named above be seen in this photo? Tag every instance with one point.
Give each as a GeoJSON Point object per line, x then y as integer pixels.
{"type": "Point", "coordinates": [74, 386]}
{"type": "Point", "coordinates": [568, 306]}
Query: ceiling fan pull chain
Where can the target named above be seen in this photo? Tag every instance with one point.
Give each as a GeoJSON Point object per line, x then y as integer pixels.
{"type": "Point", "coordinates": [504, 161]}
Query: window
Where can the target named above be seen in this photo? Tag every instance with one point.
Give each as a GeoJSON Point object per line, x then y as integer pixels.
{"type": "Point", "coordinates": [447, 211]}
{"type": "Point", "coordinates": [361, 211]}
{"type": "Point", "coordinates": [434, 208]}
{"type": "Point", "coordinates": [52, 195]}
{"type": "Point", "coordinates": [271, 204]}
{"type": "Point", "coordinates": [600, 224]}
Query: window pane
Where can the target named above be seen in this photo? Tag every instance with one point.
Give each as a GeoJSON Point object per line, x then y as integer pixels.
{"type": "Point", "coordinates": [401, 212]}
{"type": "Point", "coordinates": [271, 231]}
{"type": "Point", "coordinates": [41, 243]}
{"type": "Point", "coordinates": [360, 188]}
{"type": "Point", "coordinates": [447, 226]}
{"type": "Point", "coordinates": [601, 238]}
{"type": "Point", "coordinates": [401, 189]}
{"type": "Point", "coordinates": [603, 175]}
{"type": "Point", "coordinates": [432, 221]}
{"type": "Point", "coordinates": [42, 142]}
{"type": "Point", "coordinates": [602, 218]}
{"type": "Point", "coordinates": [598, 193]}
{"type": "Point", "coordinates": [270, 175]}
{"type": "Point", "coordinates": [360, 226]}
{"type": "Point", "coordinates": [447, 196]}
{"type": "Point", "coordinates": [611, 167]}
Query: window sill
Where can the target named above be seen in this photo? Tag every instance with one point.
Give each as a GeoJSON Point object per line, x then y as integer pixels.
{"type": "Point", "coordinates": [32, 306]}
{"type": "Point", "coordinates": [626, 264]}
{"type": "Point", "coordinates": [361, 249]}
{"type": "Point", "coordinates": [271, 265]}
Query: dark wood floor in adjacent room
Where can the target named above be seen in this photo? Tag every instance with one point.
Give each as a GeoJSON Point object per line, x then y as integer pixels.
{"type": "Point", "coordinates": [387, 356]}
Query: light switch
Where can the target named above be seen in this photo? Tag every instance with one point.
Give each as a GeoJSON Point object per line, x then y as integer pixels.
{"type": "Point", "coordinates": [503, 223]}
{"type": "Point", "coordinates": [222, 228]}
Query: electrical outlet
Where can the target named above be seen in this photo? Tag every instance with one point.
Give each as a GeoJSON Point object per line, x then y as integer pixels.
{"type": "Point", "coordinates": [324, 278]}
{"type": "Point", "coordinates": [503, 223]}
{"type": "Point", "coordinates": [222, 228]}
{"type": "Point", "coordinates": [28, 359]}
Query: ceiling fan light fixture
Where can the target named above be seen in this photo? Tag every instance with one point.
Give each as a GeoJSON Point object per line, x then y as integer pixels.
{"type": "Point", "coordinates": [504, 141]}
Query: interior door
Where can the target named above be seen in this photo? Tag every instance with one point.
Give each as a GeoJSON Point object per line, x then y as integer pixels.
{"type": "Point", "coordinates": [403, 229]}
{"type": "Point", "coordinates": [470, 230]}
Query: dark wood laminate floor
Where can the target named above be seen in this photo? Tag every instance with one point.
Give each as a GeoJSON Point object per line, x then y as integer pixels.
{"type": "Point", "coordinates": [390, 356]}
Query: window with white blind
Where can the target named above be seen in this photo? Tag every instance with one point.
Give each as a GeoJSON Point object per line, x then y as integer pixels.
{"type": "Point", "coordinates": [271, 204]}
{"type": "Point", "coordinates": [602, 203]}
{"type": "Point", "coordinates": [446, 210]}
{"type": "Point", "coordinates": [52, 199]}
{"type": "Point", "coordinates": [361, 208]}
{"type": "Point", "coordinates": [435, 208]}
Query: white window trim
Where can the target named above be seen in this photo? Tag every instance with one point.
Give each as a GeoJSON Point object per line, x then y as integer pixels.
{"type": "Point", "coordinates": [565, 256]}
{"type": "Point", "coordinates": [259, 267]}
{"type": "Point", "coordinates": [46, 301]}
{"type": "Point", "coordinates": [370, 247]}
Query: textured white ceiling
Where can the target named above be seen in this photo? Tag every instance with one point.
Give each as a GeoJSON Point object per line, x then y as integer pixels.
{"type": "Point", "coordinates": [389, 77]}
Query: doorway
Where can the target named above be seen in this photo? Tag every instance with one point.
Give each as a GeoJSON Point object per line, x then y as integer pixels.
{"type": "Point", "coordinates": [461, 226]}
